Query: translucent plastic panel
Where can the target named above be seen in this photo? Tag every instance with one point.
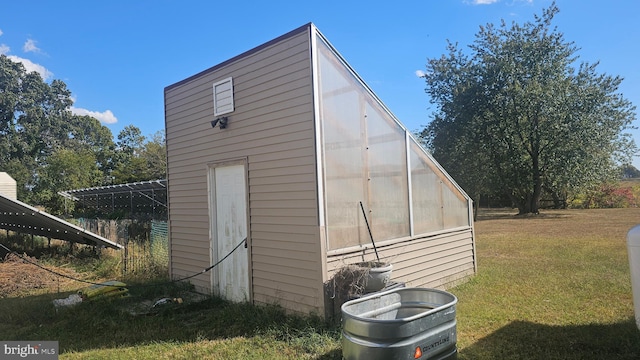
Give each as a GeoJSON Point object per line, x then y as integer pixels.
{"type": "Point", "coordinates": [387, 174]}
{"type": "Point", "coordinates": [455, 209]}
{"type": "Point", "coordinates": [342, 119]}
{"type": "Point", "coordinates": [437, 204]}
{"type": "Point", "coordinates": [426, 194]}
{"type": "Point", "coordinates": [365, 160]}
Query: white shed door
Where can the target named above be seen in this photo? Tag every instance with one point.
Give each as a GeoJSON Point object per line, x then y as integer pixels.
{"type": "Point", "coordinates": [229, 228]}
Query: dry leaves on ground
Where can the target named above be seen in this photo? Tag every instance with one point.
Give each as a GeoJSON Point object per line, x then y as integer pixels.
{"type": "Point", "coordinates": [19, 278]}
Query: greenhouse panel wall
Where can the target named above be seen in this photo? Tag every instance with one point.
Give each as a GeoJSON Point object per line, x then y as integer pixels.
{"type": "Point", "coordinates": [370, 158]}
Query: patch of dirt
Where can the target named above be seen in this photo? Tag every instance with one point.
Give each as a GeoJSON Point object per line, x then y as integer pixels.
{"type": "Point", "coordinates": [19, 278]}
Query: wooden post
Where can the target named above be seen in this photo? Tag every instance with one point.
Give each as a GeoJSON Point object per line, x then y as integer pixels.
{"type": "Point", "coordinates": [125, 255]}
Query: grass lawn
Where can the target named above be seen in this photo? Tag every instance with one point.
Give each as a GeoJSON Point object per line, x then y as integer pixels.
{"type": "Point", "coordinates": [554, 286]}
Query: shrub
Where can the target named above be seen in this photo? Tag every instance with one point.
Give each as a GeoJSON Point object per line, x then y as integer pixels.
{"type": "Point", "coordinates": [608, 195]}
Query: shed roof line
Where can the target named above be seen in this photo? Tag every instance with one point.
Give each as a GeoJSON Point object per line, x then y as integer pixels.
{"type": "Point", "coordinates": [244, 54]}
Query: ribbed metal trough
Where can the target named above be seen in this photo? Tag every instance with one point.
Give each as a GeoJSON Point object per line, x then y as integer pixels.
{"type": "Point", "coordinates": [404, 323]}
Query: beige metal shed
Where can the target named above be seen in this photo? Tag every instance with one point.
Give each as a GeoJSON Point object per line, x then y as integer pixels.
{"type": "Point", "coordinates": [279, 145]}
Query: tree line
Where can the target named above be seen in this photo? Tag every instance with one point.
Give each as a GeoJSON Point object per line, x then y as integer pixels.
{"type": "Point", "coordinates": [46, 148]}
{"type": "Point", "coordinates": [518, 116]}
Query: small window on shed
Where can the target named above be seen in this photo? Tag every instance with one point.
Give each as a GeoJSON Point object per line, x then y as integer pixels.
{"type": "Point", "coordinates": [223, 97]}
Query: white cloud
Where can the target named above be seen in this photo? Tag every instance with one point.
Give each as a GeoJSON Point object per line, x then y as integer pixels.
{"type": "Point", "coordinates": [420, 73]}
{"type": "Point", "coordinates": [1, 33]}
{"type": "Point", "coordinates": [30, 46]}
{"type": "Point", "coordinates": [4, 49]}
{"type": "Point", "coordinates": [483, 2]}
{"type": "Point", "coordinates": [105, 117]}
{"type": "Point", "coordinates": [31, 66]}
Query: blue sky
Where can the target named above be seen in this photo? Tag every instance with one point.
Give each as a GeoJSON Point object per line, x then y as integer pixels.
{"type": "Point", "coordinates": [117, 56]}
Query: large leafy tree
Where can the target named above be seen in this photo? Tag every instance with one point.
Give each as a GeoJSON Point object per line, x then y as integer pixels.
{"type": "Point", "coordinates": [85, 133]}
{"type": "Point", "coordinates": [155, 154]}
{"type": "Point", "coordinates": [66, 169]}
{"type": "Point", "coordinates": [139, 158]}
{"type": "Point", "coordinates": [518, 116]}
{"type": "Point", "coordinates": [47, 149]}
{"type": "Point", "coordinates": [41, 142]}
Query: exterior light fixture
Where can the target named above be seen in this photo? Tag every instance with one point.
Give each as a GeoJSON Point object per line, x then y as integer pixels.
{"type": "Point", "coordinates": [222, 120]}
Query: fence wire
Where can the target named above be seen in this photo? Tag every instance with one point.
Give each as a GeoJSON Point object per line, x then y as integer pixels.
{"type": "Point", "coordinates": [146, 243]}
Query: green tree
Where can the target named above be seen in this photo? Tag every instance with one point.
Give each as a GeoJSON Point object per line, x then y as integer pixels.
{"type": "Point", "coordinates": [130, 140]}
{"type": "Point", "coordinates": [629, 171]}
{"type": "Point", "coordinates": [66, 169]}
{"type": "Point", "coordinates": [139, 158]}
{"type": "Point", "coordinates": [86, 133]}
{"type": "Point", "coordinates": [517, 116]}
{"type": "Point", "coordinates": [10, 85]}
{"type": "Point", "coordinates": [155, 155]}
{"type": "Point", "coordinates": [36, 123]}
{"type": "Point", "coordinates": [129, 166]}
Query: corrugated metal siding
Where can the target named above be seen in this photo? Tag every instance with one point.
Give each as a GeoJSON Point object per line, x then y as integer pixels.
{"type": "Point", "coordinates": [439, 261]}
{"type": "Point", "coordinates": [273, 128]}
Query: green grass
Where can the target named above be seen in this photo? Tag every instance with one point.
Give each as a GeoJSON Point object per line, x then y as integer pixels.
{"type": "Point", "coordinates": [554, 286]}
{"type": "Point", "coordinates": [213, 328]}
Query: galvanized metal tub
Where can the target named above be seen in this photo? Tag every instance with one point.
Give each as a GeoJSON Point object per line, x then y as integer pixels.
{"type": "Point", "coordinates": [403, 323]}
